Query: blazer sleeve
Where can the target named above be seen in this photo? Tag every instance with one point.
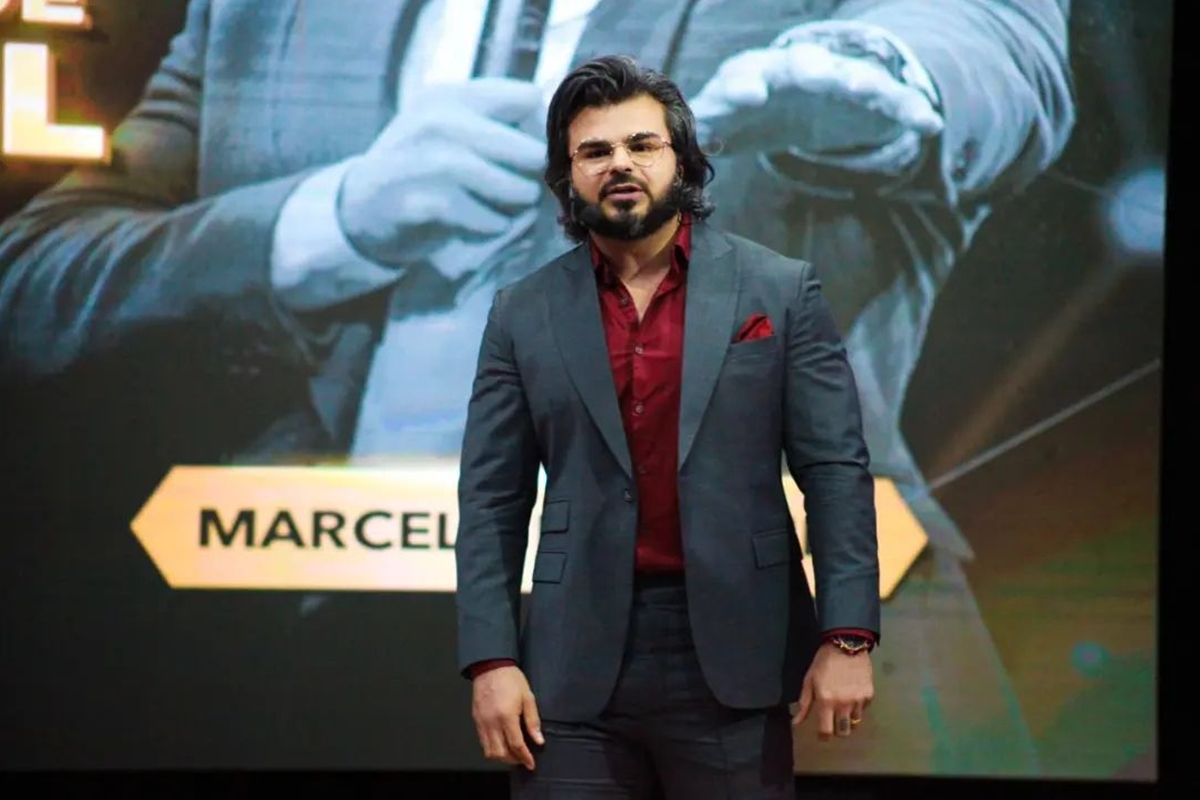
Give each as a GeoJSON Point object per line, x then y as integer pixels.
{"type": "Point", "coordinates": [827, 456]}
{"type": "Point", "coordinates": [496, 493]}
{"type": "Point", "coordinates": [114, 253]}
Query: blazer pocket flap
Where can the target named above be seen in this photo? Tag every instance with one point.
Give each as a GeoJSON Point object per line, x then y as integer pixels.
{"type": "Point", "coordinates": [556, 515]}
{"type": "Point", "coordinates": [548, 568]}
{"type": "Point", "coordinates": [771, 548]}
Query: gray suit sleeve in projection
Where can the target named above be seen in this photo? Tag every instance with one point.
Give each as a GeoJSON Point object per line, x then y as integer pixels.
{"type": "Point", "coordinates": [114, 253]}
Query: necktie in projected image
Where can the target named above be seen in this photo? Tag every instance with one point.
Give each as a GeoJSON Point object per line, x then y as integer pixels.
{"type": "Point", "coordinates": [512, 38]}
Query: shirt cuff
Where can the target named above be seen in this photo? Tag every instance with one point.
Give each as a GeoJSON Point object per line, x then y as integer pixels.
{"type": "Point", "coordinates": [480, 667]}
{"type": "Point", "coordinates": [313, 264]}
{"type": "Point", "coordinates": [863, 632]}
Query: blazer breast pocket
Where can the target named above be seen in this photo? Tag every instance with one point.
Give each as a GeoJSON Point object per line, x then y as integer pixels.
{"type": "Point", "coordinates": [754, 348]}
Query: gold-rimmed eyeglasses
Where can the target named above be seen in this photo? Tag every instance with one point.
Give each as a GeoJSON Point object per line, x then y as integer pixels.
{"type": "Point", "coordinates": [595, 157]}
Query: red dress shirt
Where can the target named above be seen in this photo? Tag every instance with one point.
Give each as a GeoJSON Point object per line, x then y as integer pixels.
{"type": "Point", "coordinates": [646, 358]}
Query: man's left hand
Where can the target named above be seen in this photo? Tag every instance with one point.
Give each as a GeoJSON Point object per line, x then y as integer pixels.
{"type": "Point", "coordinates": [838, 688]}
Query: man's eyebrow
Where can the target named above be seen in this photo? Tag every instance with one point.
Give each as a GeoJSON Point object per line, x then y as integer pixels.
{"type": "Point", "coordinates": [633, 137]}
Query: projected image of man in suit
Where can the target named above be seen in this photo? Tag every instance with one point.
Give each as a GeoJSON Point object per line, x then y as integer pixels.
{"type": "Point", "coordinates": [293, 252]}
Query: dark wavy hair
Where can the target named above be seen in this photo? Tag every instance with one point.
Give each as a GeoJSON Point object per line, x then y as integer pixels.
{"type": "Point", "coordinates": [606, 81]}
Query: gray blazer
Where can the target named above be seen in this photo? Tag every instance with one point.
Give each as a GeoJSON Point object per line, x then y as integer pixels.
{"type": "Point", "coordinates": [544, 395]}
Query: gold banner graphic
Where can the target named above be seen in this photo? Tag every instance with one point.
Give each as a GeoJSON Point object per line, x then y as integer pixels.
{"type": "Point", "coordinates": [367, 528]}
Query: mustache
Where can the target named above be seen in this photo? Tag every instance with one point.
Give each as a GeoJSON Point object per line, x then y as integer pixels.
{"type": "Point", "coordinates": [624, 180]}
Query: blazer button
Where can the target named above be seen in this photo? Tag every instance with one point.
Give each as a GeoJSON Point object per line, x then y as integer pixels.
{"type": "Point", "coordinates": [628, 495]}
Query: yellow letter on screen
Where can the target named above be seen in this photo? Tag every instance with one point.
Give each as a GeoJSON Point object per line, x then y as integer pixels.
{"type": "Point", "coordinates": [29, 129]}
{"type": "Point", "coordinates": [70, 13]}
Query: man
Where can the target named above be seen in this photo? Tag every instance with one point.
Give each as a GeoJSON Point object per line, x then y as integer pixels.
{"type": "Point", "coordinates": [658, 371]}
{"type": "Point", "coordinates": [296, 245]}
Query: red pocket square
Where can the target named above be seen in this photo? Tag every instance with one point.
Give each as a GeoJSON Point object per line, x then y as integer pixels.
{"type": "Point", "coordinates": [758, 326]}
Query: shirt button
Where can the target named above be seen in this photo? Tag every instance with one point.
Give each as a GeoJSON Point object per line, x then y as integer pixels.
{"type": "Point", "coordinates": [628, 495]}
{"type": "Point", "coordinates": [641, 470]}
{"type": "Point", "coordinates": [639, 349]}
{"type": "Point", "coordinates": [638, 408]}
{"type": "Point", "coordinates": [624, 301]}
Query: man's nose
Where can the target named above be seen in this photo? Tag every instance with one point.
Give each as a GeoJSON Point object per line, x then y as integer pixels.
{"type": "Point", "coordinates": [621, 161]}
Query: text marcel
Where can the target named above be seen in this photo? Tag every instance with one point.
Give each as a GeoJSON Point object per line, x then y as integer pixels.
{"type": "Point", "coordinates": [375, 530]}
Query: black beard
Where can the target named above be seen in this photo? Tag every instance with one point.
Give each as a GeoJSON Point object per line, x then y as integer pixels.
{"type": "Point", "coordinates": [628, 226]}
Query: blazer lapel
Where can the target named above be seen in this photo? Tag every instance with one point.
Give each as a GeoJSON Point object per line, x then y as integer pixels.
{"type": "Point", "coordinates": [353, 56]}
{"type": "Point", "coordinates": [712, 288]}
{"type": "Point", "coordinates": [579, 331]}
{"type": "Point", "coordinates": [334, 76]}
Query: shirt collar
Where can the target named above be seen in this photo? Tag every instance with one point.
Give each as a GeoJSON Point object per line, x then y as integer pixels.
{"type": "Point", "coordinates": [681, 253]}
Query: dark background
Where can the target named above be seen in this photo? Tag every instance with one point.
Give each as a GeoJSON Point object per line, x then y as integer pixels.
{"type": "Point", "coordinates": [1002, 305]}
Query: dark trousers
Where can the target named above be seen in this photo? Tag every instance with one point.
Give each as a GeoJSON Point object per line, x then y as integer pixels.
{"type": "Point", "coordinates": [663, 734]}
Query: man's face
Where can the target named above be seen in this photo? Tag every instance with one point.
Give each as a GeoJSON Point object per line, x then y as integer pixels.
{"type": "Point", "coordinates": [623, 168]}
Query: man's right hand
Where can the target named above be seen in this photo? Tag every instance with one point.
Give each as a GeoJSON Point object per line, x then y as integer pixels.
{"type": "Point", "coordinates": [501, 699]}
{"type": "Point", "coordinates": [457, 166]}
